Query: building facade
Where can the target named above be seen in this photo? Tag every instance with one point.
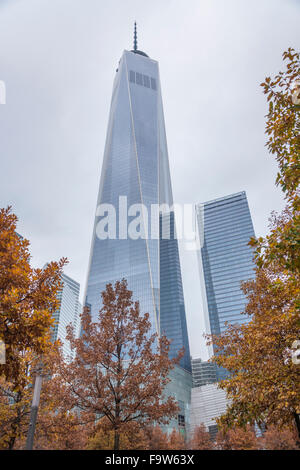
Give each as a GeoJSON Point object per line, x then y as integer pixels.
{"type": "Point", "coordinates": [225, 259]}
{"type": "Point", "coordinates": [68, 313]}
{"type": "Point", "coordinates": [208, 403]}
{"type": "Point", "coordinates": [203, 372]}
{"type": "Point", "coordinates": [135, 179]}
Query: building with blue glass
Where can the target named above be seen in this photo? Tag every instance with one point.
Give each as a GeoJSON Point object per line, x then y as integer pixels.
{"type": "Point", "coordinates": [135, 178]}
{"type": "Point", "coordinates": [225, 259]}
{"type": "Point", "coordinates": [68, 313]}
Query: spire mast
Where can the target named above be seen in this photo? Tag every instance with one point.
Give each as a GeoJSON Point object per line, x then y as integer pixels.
{"type": "Point", "coordinates": [135, 38]}
{"type": "Point", "coordinates": [135, 43]}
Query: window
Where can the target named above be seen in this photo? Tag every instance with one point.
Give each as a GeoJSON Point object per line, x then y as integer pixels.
{"type": "Point", "coordinates": [139, 78]}
{"type": "Point", "coordinates": [146, 81]}
{"type": "Point", "coordinates": [132, 76]}
{"type": "Point", "coordinates": [213, 430]}
{"type": "Point", "coordinates": [153, 83]}
{"type": "Point", "coordinates": [181, 421]}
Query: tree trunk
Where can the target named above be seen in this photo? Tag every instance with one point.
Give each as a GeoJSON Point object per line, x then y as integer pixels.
{"type": "Point", "coordinates": [11, 443]}
{"type": "Point", "coordinates": [297, 422]}
{"type": "Point", "coordinates": [117, 440]}
{"type": "Point", "coordinates": [12, 440]}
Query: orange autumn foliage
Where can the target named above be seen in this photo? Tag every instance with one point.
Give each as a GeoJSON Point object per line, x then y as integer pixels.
{"type": "Point", "coordinates": [279, 439]}
{"type": "Point", "coordinates": [132, 438]}
{"type": "Point", "coordinates": [28, 299]}
{"type": "Point", "coordinates": [156, 438]}
{"type": "Point", "coordinates": [176, 441]}
{"type": "Point", "coordinates": [201, 439]}
{"type": "Point", "coordinates": [237, 438]}
{"type": "Point", "coordinates": [120, 369]}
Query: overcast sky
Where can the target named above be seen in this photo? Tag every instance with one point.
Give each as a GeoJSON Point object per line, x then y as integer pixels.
{"type": "Point", "coordinates": [58, 60]}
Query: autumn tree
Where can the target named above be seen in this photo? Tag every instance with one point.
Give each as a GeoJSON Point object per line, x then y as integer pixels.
{"type": "Point", "coordinates": [279, 439]}
{"type": "Point", "coordinates": [120, 369]}
{"type": "Point", "coordinates": [59, 427]}
{"type": "Point", "coordinates": [104, 440]}
{"type": "Point", "coordinates": [237, 438]}
{"type": "Point", "coordinates": [157, 439]}
{"type": "Point", "coordinates": [131, 438]}
{"type": "Point", "coordinates": [15, 400]}
{"type": "Point", "coordinates": [264, 382]}
{"type": "Point", "coordinates": [283, 141]}
{"type": "Point", "coordinates": [283, 122]}
{"type": "Point", "coordinates": [103, 437]}
{"type": "Point", "coordinates": [176, 440]}
{"type": "Point", "coordinates": [201, 439]}
{"type": "Point", "coordinates": [28, 299]}
{"type": "Point", "coordinates": [60, 430]}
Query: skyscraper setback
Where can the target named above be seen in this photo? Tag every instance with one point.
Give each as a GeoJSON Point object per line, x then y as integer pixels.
{"type": "Point", "coordinates": [135, 176]}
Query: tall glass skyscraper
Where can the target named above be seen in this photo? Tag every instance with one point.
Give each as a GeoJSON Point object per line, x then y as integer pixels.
{"type": "Point", "coordinates": [136, 172]}
{"type": "Point", "coordinates": [68, 312]}
{"type": "Point", "coordinates": [225, 259]}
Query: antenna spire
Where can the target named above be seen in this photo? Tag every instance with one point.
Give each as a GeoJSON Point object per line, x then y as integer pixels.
{"type": "Point", "coordinates": [135, 43]}
{"type": "Point", "coordinates": [135, 38]}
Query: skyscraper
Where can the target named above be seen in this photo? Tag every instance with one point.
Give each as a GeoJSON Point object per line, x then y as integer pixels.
{"type": "Point", "coordinates": [68, 312]}
{"type": "Point", "coordinates": [135, 178]}
{"type": "Point", "coordinates": [203, 372]}
{"type": "Point", "coordinates": [225, 259]}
